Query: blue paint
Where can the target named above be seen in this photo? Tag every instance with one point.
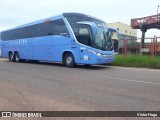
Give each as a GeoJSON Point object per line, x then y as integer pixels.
{"type": "Point", "coordinates": [52, 47]}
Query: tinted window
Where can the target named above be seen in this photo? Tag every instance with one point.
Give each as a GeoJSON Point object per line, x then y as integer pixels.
{"type": "Point", "coordinates": [83, 35]}
{"type": "Point", "coordinates": [55, 27]}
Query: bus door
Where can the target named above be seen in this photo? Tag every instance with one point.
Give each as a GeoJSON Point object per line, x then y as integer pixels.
{"type": "Point", "coordinates": [84, 38]}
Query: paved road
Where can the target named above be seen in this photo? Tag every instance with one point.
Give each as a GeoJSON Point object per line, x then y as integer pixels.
{"type": "Point", "coordinates": [53, 87]}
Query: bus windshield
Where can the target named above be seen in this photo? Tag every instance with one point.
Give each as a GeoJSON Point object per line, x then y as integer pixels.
{"type": "Point", "coordinates": [102, 40]}
{"type": "Point", "coordinates": [83, 34]}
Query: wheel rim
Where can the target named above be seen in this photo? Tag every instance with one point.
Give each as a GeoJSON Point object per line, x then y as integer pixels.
{"type": "Point", "coordinates": [17, 57]}
{"type": "Point", "coordinates": [69, 60]}
{"type": "Point", "coordinates": [11, 56]}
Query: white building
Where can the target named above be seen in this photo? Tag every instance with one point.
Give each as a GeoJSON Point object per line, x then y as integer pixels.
{"type": "Point", "coordinates": [126, 32]}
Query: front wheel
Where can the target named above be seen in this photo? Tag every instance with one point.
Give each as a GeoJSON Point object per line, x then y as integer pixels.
{"type": "Point", "coordinates": [69, 60]}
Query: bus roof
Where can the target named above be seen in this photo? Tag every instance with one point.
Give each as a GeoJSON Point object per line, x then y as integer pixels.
{"type": "Point", "coordinates": [80, 14]}
{"type": "Point", "coordinates": [36, 22]}
{"type": "Point", "coordinates": [53, 18]}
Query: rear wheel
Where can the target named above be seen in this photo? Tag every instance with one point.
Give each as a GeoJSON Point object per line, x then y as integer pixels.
{"type": "Point", "coordinates": [69, 60]}
{"type": "Point", "coordinates": [11, 57]}
{"type": "Point", "coordinates": [17, 57]}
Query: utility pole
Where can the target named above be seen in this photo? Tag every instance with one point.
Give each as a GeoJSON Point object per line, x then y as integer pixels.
{"type": "Point", "coordinates": [144, 30]}
{"type": "Point", "coordinates": [157, 17]}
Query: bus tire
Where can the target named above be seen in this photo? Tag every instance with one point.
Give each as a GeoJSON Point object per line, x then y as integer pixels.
{"type": "Point", "coordinates": [69, 60]}
{"type": "Point", "coordinates": [17, 57]}
{"type": "Point", "coordinates": [11, 57]}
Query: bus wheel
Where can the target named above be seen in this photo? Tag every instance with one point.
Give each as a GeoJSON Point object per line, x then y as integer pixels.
{"type": "Point", "coordinates": [69, 60]}
{"type": "Point", "coordinates": [11, 57]}
{"type": "Point", "coordinates": [17, 57]}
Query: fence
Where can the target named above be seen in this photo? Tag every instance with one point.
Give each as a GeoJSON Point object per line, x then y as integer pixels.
{"type": "Point", "coordinates": [151, 47]}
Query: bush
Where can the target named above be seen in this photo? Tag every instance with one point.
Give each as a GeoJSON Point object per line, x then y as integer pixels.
{"type": "Point", "coordinates": [137, 61]}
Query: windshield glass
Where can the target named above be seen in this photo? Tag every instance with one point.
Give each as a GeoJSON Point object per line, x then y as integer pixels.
{"type": "Point", "coordinates": [83, 33]}
{"type": "Point", "coordinates": [103, 39]}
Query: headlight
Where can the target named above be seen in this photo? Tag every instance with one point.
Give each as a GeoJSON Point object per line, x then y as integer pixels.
{"type": "Point", "coordinates": [98, 54]}
{"type": "Point", "coordinates": [101, 55]}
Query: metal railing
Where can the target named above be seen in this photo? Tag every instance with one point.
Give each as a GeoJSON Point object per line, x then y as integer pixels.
{"type": "Point", "coordinates": [151, 47]}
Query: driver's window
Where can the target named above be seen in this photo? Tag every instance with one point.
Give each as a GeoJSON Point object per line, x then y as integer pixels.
{"type": "Point", "coordinates": [84, 36]}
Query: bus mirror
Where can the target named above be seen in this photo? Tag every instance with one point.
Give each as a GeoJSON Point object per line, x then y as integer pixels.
{"type": "Point", "coordinates": [113, 33]}
{"type": "Point", "coordinates": [93, 26]}
{"type": "Point", "coordinates": [94, 29]}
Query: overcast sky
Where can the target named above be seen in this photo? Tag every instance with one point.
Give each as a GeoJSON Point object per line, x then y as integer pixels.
{"type": "Point", "coordinates": [17, 12]}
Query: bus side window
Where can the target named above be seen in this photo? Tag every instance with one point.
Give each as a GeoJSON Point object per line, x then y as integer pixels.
{"type": "Point", "coordinates": [84, 36]}
{"type": "Point", "coordinates": [59, 28]}
{"type": "Point", "coordinates": [55, 27]}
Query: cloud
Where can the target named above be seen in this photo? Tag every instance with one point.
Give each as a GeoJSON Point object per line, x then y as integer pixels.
{"type": "Point", "coordinates": [17, 12]}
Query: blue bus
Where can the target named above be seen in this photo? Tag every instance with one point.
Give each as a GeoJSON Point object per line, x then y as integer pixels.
{"type": "Point", "coordinates": [69, 38]}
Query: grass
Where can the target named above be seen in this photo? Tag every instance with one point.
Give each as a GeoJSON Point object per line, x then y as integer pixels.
{"type": "Point", "coordinates": [137, 61]}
